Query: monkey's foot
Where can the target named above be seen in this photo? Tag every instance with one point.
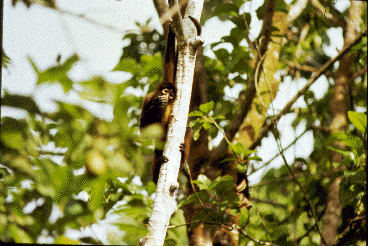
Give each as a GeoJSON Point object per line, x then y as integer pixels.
{"type": "Point", "coordinates": [182, 148]}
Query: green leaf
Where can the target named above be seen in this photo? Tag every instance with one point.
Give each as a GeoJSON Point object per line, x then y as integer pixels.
{"type": "Point", "coordinates": [359, 120]}
{"type": "Point", "coordinates": [226, 8]}
{"type": "Point", "coordinates": [241, 151]}
{"type": "Point", "coordinates": [238, 148]}
{"type": "Point", "coordinates": [120, 164]}
{"type": "Point", "coordinates": [197, 133]}
{"type": "Point", "coordinates": [206, 125]}
{"type": "Point", "coordinates": [244, 217]}
{"type": "Point", "coordinates": [5, 61]}
{"type": "Point", "coordinates": [228, 159]}
{"type": "Point", "coordinates": [350, 140]}
{"type": "Point", "coordinates": [219, 117]}
{"type": "Point", "coordinates": [207, 107]}
{"type": "Point", "coordinates": [121, 108]}
{"type": "Point", "coordinates": [345, 153]}
{"type": "Point", "coordinates": [12, 132]}
{"type": "Point", "coordinates": [223, 185]}
{"type": "Point", "coordinates": [56, 74]}
{"type": "Point", "coordinates": [69, 63]}
{"type": "Point", "coordinates": [188, 200]}
{"type": "Point", "coordinates": [136, 231]}
{"type": "Point", "coordinates": [247, 152]}
{"type": "Point", "coordinates": [42, 213]}
{"type": "Point", "coordinates": [97, 89]}
{"type": "Point", "coordinates": [222, 54]}
{"type": "Point", "coordinates": [301, 223]}
{"type": "Point", "coordinates": [66, 240]}
{"type": "Point", "coordinates": [195, 113]}
{"type": "Point", "coordinates": [177, 234]}
{"type": "Point", "coordinates": [225, 178]}
{"type": "Point", "coordinates": [150, 65]}
{"type": "Point", "coordinates": [22, 102]}
{"type": "Point", "coordinates": [255, 158]}
{"type": "Point", "coordinates": [19, 235]}
{"type": "Point", "coordinates": [97, 195]}
{"type": "Point", "coordinates": [126, 65]}
{"type": "Point", "coordinates": [242, 168]}
{"type": "Point", "coordinates": [351, 186]}
{"type": "Point", "coordinates": [192, 123]}
{"type": "Point", "coordinates": [202, 182]}
{"type": "Point", "coordinates": [260, 12]}
{"type": "Point", "coordinates": [61, 178]}
{"type": "Point", "coordinates": [240, 23]}
{"type": "Point", "coordinates": [74, 208]}
{"type": "Point", "coordinates": [281, 6]}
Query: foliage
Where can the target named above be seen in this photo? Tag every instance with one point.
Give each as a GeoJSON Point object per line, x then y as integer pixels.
{"type": "Point", "coordinates": [70, 169]}
{"type": "Point", "coordinates": [88, 155]}
{"type": "Point", "coordinates": [5, 60]}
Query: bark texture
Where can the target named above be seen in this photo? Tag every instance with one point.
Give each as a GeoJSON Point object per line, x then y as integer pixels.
{"type": "Point", "coordinates": [339, 106]}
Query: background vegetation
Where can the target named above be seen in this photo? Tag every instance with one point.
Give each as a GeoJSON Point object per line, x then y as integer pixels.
{"type": "Point", "coordinates": [98, 169]}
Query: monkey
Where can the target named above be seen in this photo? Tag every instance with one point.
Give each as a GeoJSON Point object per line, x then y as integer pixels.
{"type": "Point", "coordinates": [157, 105]}
{"type": "Point", "coordinates": [196, 24]}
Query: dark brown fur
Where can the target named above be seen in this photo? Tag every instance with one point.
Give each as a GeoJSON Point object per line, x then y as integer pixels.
{"type": "Point", "coordinates": [157, 106]}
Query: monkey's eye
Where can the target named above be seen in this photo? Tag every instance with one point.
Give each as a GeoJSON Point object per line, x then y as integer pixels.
{"type": "Point", "coordinates": [165, 91]}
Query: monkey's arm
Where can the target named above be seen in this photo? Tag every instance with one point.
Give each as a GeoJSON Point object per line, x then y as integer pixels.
{"type": "Point", "coordinates": [185, 147]}
{"type": "Point", "coordinates": [152, 108]}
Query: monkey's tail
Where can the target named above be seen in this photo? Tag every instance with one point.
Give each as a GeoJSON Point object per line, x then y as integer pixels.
{"type": "Point", "coordinates": [197, 25]}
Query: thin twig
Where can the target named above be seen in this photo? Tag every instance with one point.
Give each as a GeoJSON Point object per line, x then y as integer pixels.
{"type": "Point", "coordinates": [278, 141]}
{"type": "Point", "coordinates": [196, 194]}
{"type": "Point", "coordinates": [357, 220]}
{"type": "Point", "coordinates": [254, 239]}
{"type": "Point", "coordinates": [85, 18]}
{"type": "Point", "coordinates": [289, 178]}
{"type": "Point", "coordinates": [227, 140]}
{"type": "Point", "coordinates": [264, 131]}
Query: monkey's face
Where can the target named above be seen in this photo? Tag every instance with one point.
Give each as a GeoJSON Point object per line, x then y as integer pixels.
{"type": "Point", "coordinates": [168, 94]}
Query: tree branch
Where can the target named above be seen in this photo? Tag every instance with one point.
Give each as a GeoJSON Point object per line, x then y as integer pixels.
{"type": "Point", "coordinates": [350, 231]}
{"type": "Point", "coordinates": [360, 73]}
{"type": "Point", "coordinates": [165, 204]}
{"type": "Point", "coordinates": [290, 177]}
{"type": "Point", "coordinates": [332, 16]}
{"type": "Point", "coordinates": [221, 151]}
{"type": "Point", "coordinates": [311, 80]}
{"type": "Point", "coordinates": [268, 162]}
{"type": "Point", "coordinates": [296, 10]}
{"type": "Point", "coordinates": [311, 209]}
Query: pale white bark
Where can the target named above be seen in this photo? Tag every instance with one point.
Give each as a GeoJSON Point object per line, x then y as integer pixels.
{"type": "Point", "coordinates": [165, 204]}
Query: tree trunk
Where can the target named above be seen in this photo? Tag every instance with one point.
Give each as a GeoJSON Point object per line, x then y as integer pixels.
{"type": "Point", "coordinates": [340, 105]}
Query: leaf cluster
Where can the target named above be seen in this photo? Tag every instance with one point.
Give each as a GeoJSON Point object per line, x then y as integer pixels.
{"type": "Point", "coordinates": [50, 161]}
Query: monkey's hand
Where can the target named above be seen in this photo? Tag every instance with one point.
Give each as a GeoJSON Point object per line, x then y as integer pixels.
{"type": "Point", "coordinates": [162, 101]}
{"type": "Point", "coordinates": [158, 102]}
{"type": "Point", "coordinates": [171, 24]}
{"type": "Point", "coordinates": [182, 148]}
{"type": "Point", "coordinates": [163, 159]}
